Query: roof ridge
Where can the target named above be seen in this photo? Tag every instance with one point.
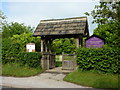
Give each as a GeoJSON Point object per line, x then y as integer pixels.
{"type": "Point", "coordinates": [64, 18]}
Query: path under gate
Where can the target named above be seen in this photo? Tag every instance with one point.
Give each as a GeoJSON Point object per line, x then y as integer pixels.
{"type": "Point", "coordinates": [58, 70]}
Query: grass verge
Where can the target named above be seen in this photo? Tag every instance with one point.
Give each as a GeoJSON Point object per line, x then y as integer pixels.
{"type": "Point", "coordinates": [93, 79]}
{"type": "Point", "coordinates": [14, 69]}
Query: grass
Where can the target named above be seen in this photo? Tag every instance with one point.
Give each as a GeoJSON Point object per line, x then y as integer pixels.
{"type": "Point", "coordinates": [16, 70]}
{"type": "Point", "coordinates": [93, 79]}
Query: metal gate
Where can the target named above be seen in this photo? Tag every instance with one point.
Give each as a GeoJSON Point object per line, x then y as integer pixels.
{"type": "Point", "coordinates": [68, 61]}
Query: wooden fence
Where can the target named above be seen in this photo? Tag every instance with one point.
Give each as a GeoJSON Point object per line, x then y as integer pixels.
{"type": "Point", "coordinates": [68, 61]}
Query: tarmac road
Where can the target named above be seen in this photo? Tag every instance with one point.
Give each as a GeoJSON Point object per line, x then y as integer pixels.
{"type": "Point", "coordinates": [44, 80]}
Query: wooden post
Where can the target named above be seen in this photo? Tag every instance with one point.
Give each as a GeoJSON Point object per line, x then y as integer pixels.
{"type": "Point", "coordinates": [77, 42]}
{"type": "Point", "coordinates": [42, 47]}
{"type": "Point", "coordinates": [46, 49]}
{"type": "Point", "coordinates": [81, 41]}
{"type": "Point", "coordinates": [62, 56]}
{"type": "Point", "coordinates": [46, 45]}
{"type": "Point", "coordinates": [62, 60]}
{"type": "Point", "coordinates": [50, 42]}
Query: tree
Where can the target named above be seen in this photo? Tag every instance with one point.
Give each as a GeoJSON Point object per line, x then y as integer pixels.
{"type": "Point", "coordinates": [105, 12]}
{"type": "Point", "coordinates": [110, 32]}
{"type": "Point", "coordinates": [8, 30]}
{"type": "Point", "coordinates": [25, 38]}
{"type": "Point", "coordinates": [2, 19]}
{"type": "Point", "coordinates": [107, 15]}
{"type": "Point", "coordinates": [63, 45]}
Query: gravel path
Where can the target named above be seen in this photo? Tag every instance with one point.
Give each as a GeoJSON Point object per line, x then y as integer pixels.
{"type": "Point", "coordinates": [44, 80]}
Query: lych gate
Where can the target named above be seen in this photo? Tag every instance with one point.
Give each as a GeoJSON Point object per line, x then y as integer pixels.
{"type": "Point", "coordinates": [59, 28]}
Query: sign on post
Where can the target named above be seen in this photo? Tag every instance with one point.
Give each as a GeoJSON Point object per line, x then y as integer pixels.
{"type": "Point", "coordinates": [94, 41]}
{"type": "Point", "coordinates": [30, 47]}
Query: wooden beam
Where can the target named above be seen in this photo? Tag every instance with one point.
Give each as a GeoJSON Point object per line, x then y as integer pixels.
{"type": "Point", "coordinates": [81, 41]}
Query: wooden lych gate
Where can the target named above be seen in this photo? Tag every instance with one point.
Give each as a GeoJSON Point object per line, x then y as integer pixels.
{"type": "Point", "coordinates": [50, 30]}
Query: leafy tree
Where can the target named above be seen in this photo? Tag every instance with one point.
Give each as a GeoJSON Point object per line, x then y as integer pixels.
{"type": "Point", "coordinates": [105, 12]}
{"type": "Point", "coordinates": [14, 28]}
{"type": "Point", "coordinates": [2, 19]}
{"type": "Point", "coordinates": [25, 38]}
{"type": "Point", "coordinates": [63, 45]}
{"type": "Point", "coordinates": [110, 32]}
{"type": "Point", "coordinates": [2, 22]}
{"type": "Point", "coordinates": [107, 15]}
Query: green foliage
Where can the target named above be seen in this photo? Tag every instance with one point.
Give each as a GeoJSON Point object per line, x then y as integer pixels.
{"type": "Point", "coordinates": [105, 12]}
{"type": "Point", "coordinates": [94, 79]}
{"type": "Point", "coordinates": [107, 15]}
{"type": "Point", "coordinates": [99, 59]}
{"type": "Point", "coordinates": [8, 30]}
{"type": "Point", "coordinates": [110, 32]}
{"type": "Point", "coordinates": [63, 45]}
{"type": "Point", "coordinates": [9, 50]}
{"type": "Point", "coordinates": [30, 59]}
{"type": "Point", "coordinates": [58, 64]}
{"type": "Point", "coordinates": [2, 19]}
{"type": "Point", "coordinates": [25, 38]}
{"type": "Point", "coordinates": [12, 46]}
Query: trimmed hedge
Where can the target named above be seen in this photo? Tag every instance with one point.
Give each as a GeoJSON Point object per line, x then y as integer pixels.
{"type": "Point", "coordinates": [99, 59]}
{"type": "Point", "coordinates": [30, 59]}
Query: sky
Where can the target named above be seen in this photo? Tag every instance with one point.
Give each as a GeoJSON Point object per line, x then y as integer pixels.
{"type": "Point", "coordinates": [30, 12]}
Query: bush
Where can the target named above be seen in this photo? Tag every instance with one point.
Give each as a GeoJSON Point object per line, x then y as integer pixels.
{"type": "Point", "coordinates": [9, 51]}
{"type": "Point", "coordinates": [30, 59]}
{"type": "Point", "coordinates": [58, 64]}
{"type": "Point", "coordinates": [100, 59]}
{"type": "Point", "coordinates": [12, 46]}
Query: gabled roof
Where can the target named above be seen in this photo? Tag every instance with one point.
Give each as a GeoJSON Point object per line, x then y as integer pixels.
{"type": "Point", "coordinates": [95, 36]}
{"type": "Point", "coordinates": [67, 26]}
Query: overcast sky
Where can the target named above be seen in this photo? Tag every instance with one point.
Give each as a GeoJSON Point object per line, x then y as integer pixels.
{"type": "Point", "coordinates": [30, 12]}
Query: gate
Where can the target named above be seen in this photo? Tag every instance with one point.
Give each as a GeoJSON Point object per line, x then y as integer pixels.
{"type": "Point", "coordinates": [52, 61]}
{"type": "Point", "coordinates": [48, 60]}
{"type": "Point", "coordinates": [68, 61]}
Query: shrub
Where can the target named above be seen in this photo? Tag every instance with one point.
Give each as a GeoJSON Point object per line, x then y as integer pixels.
{"type": "Point", "coordinates": [9, 51]}
{"type": "Point", "coordinates": [58, 64]}
{"type": "Point", "coordinates": [30, 59]}
{"type": "Point", "coordinates": [12, 46]}
{"type": "Point", "coordinates": [100, 59]}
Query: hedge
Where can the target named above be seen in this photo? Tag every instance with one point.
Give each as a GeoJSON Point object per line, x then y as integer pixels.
{"type": "Point", "coordinates": [30, 59]}
{"type": "Point", "coordinates": [99, 59]}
